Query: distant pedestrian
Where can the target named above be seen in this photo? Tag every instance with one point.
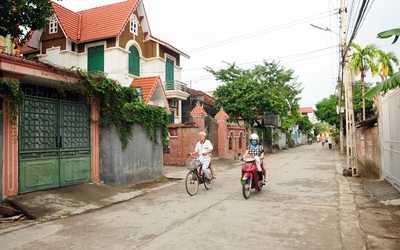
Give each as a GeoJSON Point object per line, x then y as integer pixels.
{"type": "Point", "coordinates": [330, 143]}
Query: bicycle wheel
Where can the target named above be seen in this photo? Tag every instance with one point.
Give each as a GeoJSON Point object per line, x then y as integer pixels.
{"type": "Point", "coordinates": [192, 183]}
{"type": "Point", "coordinates": [246, 188]}
{"type": "Point", "coordinates": [208, 183]}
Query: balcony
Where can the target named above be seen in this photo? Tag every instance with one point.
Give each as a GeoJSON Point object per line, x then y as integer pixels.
{"type": "Point", "coordinates": [176, 90]}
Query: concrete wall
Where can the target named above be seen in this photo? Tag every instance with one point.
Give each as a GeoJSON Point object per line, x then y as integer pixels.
{"type": "Point", "coordinates": [141, 161]}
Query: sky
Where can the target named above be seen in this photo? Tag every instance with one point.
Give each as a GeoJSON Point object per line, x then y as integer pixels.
{"type": "Point", "coordinates": [246, 33]}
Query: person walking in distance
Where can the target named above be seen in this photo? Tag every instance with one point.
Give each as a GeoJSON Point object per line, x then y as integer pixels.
{"type": "Point", "coordinates": [203, 151]}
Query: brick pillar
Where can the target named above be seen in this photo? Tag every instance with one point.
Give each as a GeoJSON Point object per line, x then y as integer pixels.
{"type": "Point", "coordinates": [222, 118]}
{"type": "Point", "coordinates": [95, 128]}
{"type": "Point", "coordinates": [199, 114]}
{"type": "Point", "coordinates": [10, 154]}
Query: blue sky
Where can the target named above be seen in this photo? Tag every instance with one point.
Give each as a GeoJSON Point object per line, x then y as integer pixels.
{"type": "Point", "coordinates": [248, 32]}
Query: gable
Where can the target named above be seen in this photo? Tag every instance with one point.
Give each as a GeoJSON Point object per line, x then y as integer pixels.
{"type": "Point", "coordinates": [152, 91]}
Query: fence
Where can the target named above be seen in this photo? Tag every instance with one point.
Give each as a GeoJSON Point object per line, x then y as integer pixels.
{"type": "Point", "coordinates": [390, 142]}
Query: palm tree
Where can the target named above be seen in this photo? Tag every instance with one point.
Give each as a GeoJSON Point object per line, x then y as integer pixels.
{"type": "Point", "coordinates": [385, 60]}
{"type": "Point", "coordinates": [362, 60]}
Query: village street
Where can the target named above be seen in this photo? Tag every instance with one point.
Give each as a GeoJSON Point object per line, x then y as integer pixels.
{"type": "Point", "coordinates": [307, 204]}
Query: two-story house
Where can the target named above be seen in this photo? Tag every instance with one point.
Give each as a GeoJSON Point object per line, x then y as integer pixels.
{"type": "Point", "coordinates": [114, 39]}
{"type": "Point", "coordinates": [55, 140]}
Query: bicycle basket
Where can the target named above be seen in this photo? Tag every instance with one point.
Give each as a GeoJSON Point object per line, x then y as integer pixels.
{"type": "Point", "coordinates": [194, 164]}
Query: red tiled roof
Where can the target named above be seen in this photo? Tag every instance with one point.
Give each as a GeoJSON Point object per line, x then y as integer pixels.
{"type": "Point", "coordinates": [198, 110]}
{"type": "Point", "coordinates": [221, 114]}
{"type": "Point", "coordinates": [207, 99]}
{"type": "Point", "coordinates": [148, 85]}
{"type": "Point", "coordinates": [96, 23]}
{"type": "Point", "coordinates": [306, 110]}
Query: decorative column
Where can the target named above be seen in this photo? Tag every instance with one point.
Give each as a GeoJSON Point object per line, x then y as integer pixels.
{"type": "Point", "coordinates": [223, 143]}
{"type": "Point", "coordinates": [95, 128]}
{"type": "Point", "coordinates": [10, 154]}
{"type": "Point", "coordinates": [199, 114]}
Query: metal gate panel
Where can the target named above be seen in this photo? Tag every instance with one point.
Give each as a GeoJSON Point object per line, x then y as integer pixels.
{"type": "Point", "coordinates": [75, 160]}
{"type": "Point", "coordinates": [54, 143]}
{"type": "Point", "coordinates": [38, 175]}
{"type": "Point", "coordinates": [38, 154]}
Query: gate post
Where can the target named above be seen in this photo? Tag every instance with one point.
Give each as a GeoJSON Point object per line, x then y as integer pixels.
{"type": "Point", "coordinates": [95, 128]}
{"type": "Point", "coordinates": [222, 118]}
{"type": "Point", "coordinates": [10, 154]}
{"type": "Point", "coordinates": [199, 114]}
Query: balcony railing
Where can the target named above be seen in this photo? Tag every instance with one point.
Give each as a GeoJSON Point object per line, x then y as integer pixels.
{"type": "Point", "coordinates": [175, 85]}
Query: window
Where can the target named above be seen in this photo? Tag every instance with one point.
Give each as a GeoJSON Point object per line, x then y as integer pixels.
{"type": "Point", "coordinates": [53, 25]}
{"type": "Point", "coordinates": [230, 142]}
{"type": "Point", "coordinates": [96, 58]}
{"type": "Point", "coordinates": [169, 73]}
{"type": "Point", "coordinates": [134, 25]}
{"type": "Point", "coordinates": [240, 141]}
{"type": "Point", "coordinates": [134, 61]}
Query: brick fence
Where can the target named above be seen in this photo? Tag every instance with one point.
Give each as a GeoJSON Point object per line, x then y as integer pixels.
{"type": "Point", "coordinates": [183, 138]}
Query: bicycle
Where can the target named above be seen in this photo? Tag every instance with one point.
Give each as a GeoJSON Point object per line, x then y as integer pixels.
{"type": "Point", "coordinates": [194, 178]}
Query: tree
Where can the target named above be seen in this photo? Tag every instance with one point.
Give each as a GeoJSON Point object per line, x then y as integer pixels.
{"type": "Point", "coordinates": [362, 60]}
{"type": "Point", "coordinates": [304, 123]}
{"type": "Point", "coordinates": [326, 111]}
{"type": "Point", "coordinates": [392, 82]}
{"type": "Point", "coordinates": [385, 61]}
{"type": "Point", "coordinates": [250, 93]}
{"type": "Point", "coordinates": [321, 128]}
{"type": "Point", "coordinates": [360, 104]}
{"type": "Point", "coordinates": [17, 16]}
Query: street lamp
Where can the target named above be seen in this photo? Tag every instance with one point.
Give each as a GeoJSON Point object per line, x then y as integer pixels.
{"type": "Point", "coordinates": [350, 128]}
{"type": "Point", "coordinates": [326, 28]}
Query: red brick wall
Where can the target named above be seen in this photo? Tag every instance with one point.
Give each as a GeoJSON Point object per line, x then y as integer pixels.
{"type": "Point", "coordinates": [368, 145]}
{"type": "Point", "coordinates": [182, 140]}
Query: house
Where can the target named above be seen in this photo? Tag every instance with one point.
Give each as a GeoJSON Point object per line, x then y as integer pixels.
{"type": "Point", "coordinates": [116, 40]}
{"type": "Point", "coordinates": [58, 140]}
{"type": "Point", "coordinates": [205, 100]}
{"type": "Point", "coordinates": [309, 112]}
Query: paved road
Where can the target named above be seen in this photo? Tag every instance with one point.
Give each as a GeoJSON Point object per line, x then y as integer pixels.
{"type": "Point", "coordinates": [307, 204]}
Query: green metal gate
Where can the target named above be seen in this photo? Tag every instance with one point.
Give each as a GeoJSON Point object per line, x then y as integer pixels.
{"type": "Point", "coordinates": [54, 142]}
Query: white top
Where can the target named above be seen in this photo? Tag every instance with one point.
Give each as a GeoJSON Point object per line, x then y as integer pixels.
{"type": "Point", "coordinates": [202, 148]}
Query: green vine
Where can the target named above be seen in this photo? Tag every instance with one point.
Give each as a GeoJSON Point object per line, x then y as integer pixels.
{"type": "Point", "coordinates": [121, 107]}
{"type": "Point", "coordinates": [9, 89]}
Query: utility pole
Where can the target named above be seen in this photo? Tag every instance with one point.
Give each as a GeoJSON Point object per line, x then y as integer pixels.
{"type": "Point", "coordinates": [347, 79]}
{"type": "Point", "coordinates": [340, 83]}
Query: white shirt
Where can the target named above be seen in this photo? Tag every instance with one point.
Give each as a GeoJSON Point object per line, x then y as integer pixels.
{"type": "Point", "coordinates": [202, 148]}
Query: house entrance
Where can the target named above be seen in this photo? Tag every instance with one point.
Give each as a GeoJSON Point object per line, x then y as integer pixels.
{"type": "Point", "coordinates": [54, 139]}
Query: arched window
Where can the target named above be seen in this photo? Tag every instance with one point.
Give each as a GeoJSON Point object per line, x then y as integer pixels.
{"type": "Point", "coordinates": [240, 141]}
{"type": "Point", "coordinates": [230, 142]}
{"type": "Point", "coordinates": [134, 24]}
{"type": "Point", "coordinates": [134, 61]}
{"type": "Point", "coordinates": [53, 25]}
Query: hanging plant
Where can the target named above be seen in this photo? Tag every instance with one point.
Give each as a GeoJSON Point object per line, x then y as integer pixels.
{"type": "Point", "coordinates": [122, 107]}
{"type": "Point", "coordinates": [10, 89]}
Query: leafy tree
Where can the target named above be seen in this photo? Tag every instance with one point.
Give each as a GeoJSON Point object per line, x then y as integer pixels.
{"type": "Point", "coordinates": [392, 82]}
{"type": "Point", "coordinates": [250, 93]}
{"type": "Point", "coordinates": [326, 111]}
{"type": "Point", "coordinates": [17, 16]}
{"type": "Point", "coordinates": [304, 123]}
{"type": "Point", "coordinates": [320, 127]}
{"type": "Point", "coordinates": [358, 101]}
{"type": "Point", "coordinates": [385, 61]}
{"type": "Point", "coordinates": [362, 60]}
